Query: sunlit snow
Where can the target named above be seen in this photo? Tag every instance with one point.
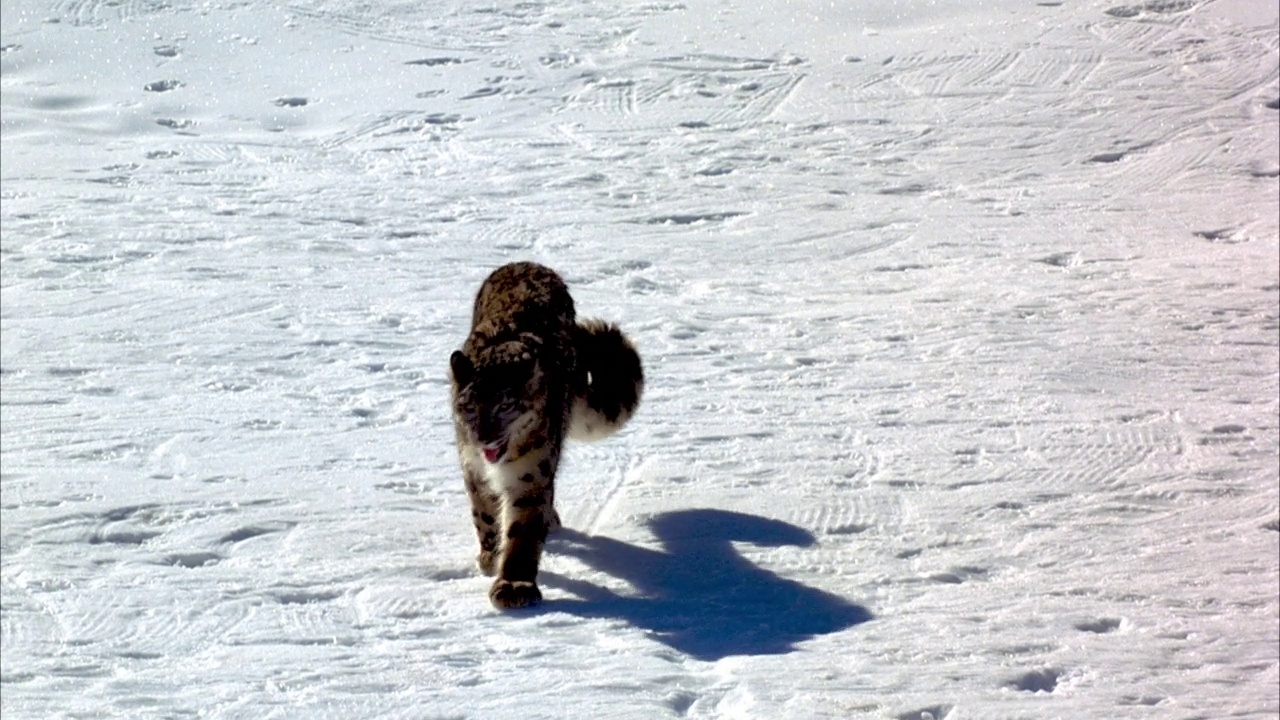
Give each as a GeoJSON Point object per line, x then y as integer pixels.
{"type": "Point", "coordinates": [960, 321]}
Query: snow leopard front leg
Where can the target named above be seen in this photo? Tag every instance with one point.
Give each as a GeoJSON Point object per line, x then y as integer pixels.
{"type": "Point", "coordinates": [527, 519]}
{"type": "Point", "coordinates": [485, 511]}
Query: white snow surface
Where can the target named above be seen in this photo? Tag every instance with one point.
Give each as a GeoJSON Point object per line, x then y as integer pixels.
{"type": "Point", "coordinates": [960, 323]}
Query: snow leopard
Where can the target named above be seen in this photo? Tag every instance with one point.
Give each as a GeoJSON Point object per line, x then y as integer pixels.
{"type": "Point", "coordinates": [529, 375]}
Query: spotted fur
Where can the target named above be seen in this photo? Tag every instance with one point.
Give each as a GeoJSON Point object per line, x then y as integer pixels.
{"type": "Point", "coordinates": [528, 376]}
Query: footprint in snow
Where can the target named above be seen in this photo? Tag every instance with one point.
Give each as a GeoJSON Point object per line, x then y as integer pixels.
{"type": "Point", "coordinates": [435, 61]}
{"type": "Point", "coordinates": [1108, 157]}
{"type": "Point", "coordinates": [1158, 7]}
{"type": "Point", "coordinates": [1036, 681]}
{"type": "Point", "coordinates": [1100, 626]}
{"type": "Point", "coordinates": [1227, 235]}
{"type": "Point", "coordinates": [160, 86]}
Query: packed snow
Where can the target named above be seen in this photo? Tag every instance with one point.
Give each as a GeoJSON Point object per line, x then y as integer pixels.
{"type": "Point", "coordinates": [960, 322]}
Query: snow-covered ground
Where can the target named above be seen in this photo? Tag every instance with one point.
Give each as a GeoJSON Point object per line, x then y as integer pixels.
{"type": "Point", "coordinates": [960, 320]}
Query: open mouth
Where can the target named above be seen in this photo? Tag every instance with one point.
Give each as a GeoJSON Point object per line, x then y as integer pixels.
{"type": "Point", "coordinates": [493, 451]}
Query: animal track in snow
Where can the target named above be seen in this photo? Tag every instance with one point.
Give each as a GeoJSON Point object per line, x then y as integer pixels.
{"type": "Point", "coordinates": [1099, 626]}
{"type": "Point", "coordinates": [1170, 7]}
{"type": "Point", "coordinates": [958, 575]}
{"type": "Point", "coordinates": [435, 61]}
{"type": "Point", "coordinates": [161, 86]}
{"type": "Point", "coordinates": [1036, 681]}
{"type": "Point", "coordinates": [1068, 259]}
{"type": "Point", "coordinates": [1227, 235]}
{"type": "Point", "coordinates": [484, 92]}
{"type": "Point", "coordinates": [176, 124]}
{"type": "Point", "coordinates": [1108, 157]}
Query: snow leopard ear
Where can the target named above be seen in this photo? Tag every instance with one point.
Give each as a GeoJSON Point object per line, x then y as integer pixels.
{"type": "Point", "coordinates": [461, 367]}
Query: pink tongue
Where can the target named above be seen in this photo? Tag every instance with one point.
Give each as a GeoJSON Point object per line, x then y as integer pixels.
{"type": "Point", "coordinates": [491, 454]}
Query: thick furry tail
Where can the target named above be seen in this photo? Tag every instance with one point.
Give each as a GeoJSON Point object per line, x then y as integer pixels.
{"type": "Point", "coordinates": [613, 381]}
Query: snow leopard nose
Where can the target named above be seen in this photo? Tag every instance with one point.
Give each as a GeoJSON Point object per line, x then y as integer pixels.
{"type": "Point", "coordinates": [491, 427]}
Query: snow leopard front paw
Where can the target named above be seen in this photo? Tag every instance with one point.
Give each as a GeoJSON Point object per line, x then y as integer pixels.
{"type": "Point", "coordinates": [508, 595]}
{"type": "Point", "coordinates": [553, 522]}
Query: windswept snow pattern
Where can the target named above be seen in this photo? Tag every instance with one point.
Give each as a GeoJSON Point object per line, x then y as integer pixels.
{"type": "Point", "coordinates": [961, 324]}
